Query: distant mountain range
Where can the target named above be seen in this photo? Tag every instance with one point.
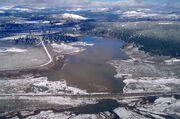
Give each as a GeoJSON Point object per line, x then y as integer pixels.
{"type": "Point", "coordinates": [110, 14]}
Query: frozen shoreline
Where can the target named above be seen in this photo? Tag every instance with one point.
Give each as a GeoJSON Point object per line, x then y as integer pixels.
{"type": "Point", "coordinates": [144, 72]}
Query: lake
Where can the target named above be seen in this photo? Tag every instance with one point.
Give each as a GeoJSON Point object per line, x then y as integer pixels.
{"type": "Point", "coordinates": [89, 70]}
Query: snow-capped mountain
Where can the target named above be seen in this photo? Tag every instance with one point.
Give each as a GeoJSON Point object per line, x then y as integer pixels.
{"type": "Point", "coordinates": [73, 16]}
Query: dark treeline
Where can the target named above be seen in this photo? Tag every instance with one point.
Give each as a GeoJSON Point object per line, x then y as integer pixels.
{"type": "Point", "coordinates": [47, 38]}
{"type": "Point", "coordinates": [58, 37]}
{"type": "Point", "coordinates": [28, 40]}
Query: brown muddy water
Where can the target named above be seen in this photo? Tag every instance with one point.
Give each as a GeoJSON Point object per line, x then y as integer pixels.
{"type": "Point", "coordinates": [89, 70]}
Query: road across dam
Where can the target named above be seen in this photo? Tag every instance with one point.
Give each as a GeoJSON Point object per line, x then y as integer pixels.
{"type": "Point", "coordinates": [95, 95]}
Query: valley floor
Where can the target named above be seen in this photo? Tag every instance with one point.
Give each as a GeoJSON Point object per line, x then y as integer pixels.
{"type": "Point", "coordinates": [141, 73]}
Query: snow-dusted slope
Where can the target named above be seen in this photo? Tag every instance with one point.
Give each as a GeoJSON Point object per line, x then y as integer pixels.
{"type": "Point", "coordinates": [73, 16]}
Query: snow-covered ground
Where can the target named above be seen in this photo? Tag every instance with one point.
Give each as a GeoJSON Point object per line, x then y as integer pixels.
{"type": "Point", "coordinates": [172, 61]}
{"type": "Point", "coordinates": [26, 22]}
{"type": "Point", "coordinates": [65, 115]}
{"type": "Point", "coordinates": [12, 49]}
{"type": "Point", "coordinates": [154, 107]}
{"type": "Point", "coordinates": [135, 69]}
{"type": "Point", "coordinates": [165, 23]}
{"type": "Point", "coordinates": [81, 44]}
{"type": "Point", "coordinates": [13, 58]}
{"type": "Point", "coordinates": [65, 48]}
{"type": "Point", "coordinates": [59, 24]}
{"type": "Point", "coordinates": [70, 48]}
{"type": "Point", "coordinates": [124, 113]}
{"type": "Point", "coordinates": [145, 73]}
{"type": "Point", "coordinates": [39, 85]}
{"type": "Point", "coordinates": [151, 84]}
{"type": "Point", "coordinates": [45, 22]}
{"type": "Point", "coordinates": [145, 77]}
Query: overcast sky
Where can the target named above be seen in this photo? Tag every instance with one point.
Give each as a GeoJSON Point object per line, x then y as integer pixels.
{"type": "Point", "coordinates": [91, 3]}
{"type": "Point", "coordinates": [151, 1]}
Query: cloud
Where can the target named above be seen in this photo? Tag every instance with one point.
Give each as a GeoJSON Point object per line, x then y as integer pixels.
{"type": "Point", "coordinates": [60, 3]}
{"type": "Point", "coordinates": [173, 4]}
{"type": "Point", "coordinates": [46, 3]}
{"type": "Point", "coordinates": [84, 3]}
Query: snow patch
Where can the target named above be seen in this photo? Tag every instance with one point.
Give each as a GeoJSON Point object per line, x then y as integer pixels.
{"type": "Point", "coordinates": [46, 22]}
{"type": "Point", "coordinates": [26, 22]}
{"type": "Point", "coordinates": [65, 48]}
{"type": "Point", "coordinates": [17, 50]}
{"type": "Point", "coordinates": [58, 24]}
{"type": "Point", "coordinates": [172, 61]}
{"type": "Point", "coordinates": [64, 115]}
{"type": "Point", "coordinates": [149, 84]}
{"type": "Point", "coordinates": [127, 114]}
{"type": "Point", "coordinates": [134, 68]}
{"type": "Point", "coordinates": [23, 9]}
{"type": "Point", "coordinates": [81, 44]}
{"type": "Point", "coordinates": [50, 115]}
{"type": "Point", "coordinates": [161, 108]}
{"type": "Point", "coordinates": [73, 16]}
{"type": "Point", "coordinates": [165, 23]}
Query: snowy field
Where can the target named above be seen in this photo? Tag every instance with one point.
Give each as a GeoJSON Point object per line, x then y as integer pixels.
{"type": "Point", "coordinates": [12, 58]}
{"type": "Point", "coordinates": [145, 73]}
